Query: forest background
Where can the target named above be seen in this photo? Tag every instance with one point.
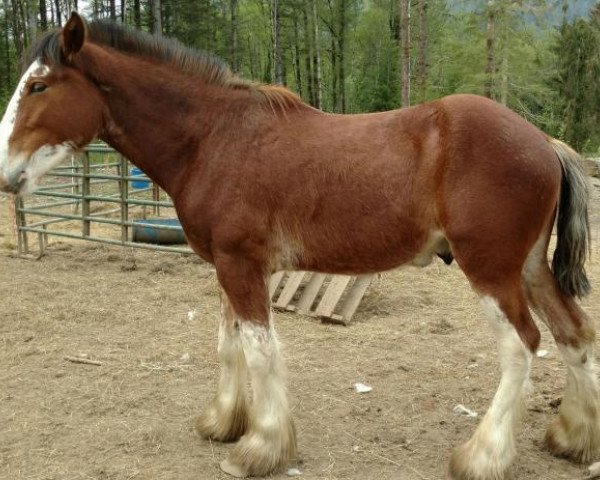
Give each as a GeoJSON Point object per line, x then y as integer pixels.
{"type": "Point", "coordinates": [539, 57]}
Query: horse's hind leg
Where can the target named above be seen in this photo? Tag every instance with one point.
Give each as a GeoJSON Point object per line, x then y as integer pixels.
{"type": "Point", "coordinates": [226, 418]}
{"type": "Point", "coordinates": [490, 451]}
{"type": "Point", "coordinates": [575, 433]}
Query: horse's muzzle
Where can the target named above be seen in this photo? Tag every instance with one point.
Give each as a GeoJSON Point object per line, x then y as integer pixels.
{"type": "Point", "coordinates": [12, 184]}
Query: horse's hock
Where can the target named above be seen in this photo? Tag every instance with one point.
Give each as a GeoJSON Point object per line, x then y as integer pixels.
{"type": "Point", "coordinates": [99, 197]}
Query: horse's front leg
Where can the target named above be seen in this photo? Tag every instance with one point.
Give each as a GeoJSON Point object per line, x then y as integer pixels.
{"type": "Point", "coordinates": [226, 418]}
{"type": "Point", "coordinates": [270, 440]}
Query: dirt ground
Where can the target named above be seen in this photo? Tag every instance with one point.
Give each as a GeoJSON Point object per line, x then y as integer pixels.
{"type": "Point", "coordinates": [419, 339]}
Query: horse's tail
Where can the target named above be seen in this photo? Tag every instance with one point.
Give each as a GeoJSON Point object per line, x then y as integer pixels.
{"type": "Point", "coordinates": [572, 224]}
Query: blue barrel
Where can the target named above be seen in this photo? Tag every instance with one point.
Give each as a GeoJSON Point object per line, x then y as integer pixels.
{"type": "Point", "coordinates": [149, 231]}
{"type": "Point", "coordinates": [139, 184]}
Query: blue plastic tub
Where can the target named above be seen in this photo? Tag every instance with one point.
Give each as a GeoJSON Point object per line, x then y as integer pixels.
{"type": "Point", "coordinates": [139, 184]}
{"type": "Point", "coordinates": [149, 231]}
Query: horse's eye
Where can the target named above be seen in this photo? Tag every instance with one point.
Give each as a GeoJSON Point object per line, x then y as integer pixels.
{"type": "Point", "coordinates": [38, 87]}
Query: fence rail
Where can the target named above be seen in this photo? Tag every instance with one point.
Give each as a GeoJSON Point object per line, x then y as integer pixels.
{"type": "Point", "coordinates": [95, 198]}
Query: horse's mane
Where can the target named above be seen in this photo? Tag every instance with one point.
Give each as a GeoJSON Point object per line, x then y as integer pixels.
{"type": "Point", "coordinates": [210, 68]}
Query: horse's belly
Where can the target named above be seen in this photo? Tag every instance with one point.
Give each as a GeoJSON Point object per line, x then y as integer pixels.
{"type": "Point", "coordinates": [357, 256]}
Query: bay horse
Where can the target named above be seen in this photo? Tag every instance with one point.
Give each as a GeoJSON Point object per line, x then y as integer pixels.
{"type": "Point", "coordinates": [263, 182]}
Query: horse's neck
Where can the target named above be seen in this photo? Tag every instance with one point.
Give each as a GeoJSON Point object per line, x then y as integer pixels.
{"type": "Point", "coordinates": [158, 118]}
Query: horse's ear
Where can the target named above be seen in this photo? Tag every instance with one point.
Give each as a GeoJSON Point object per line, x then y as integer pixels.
{"type": "Point", "coordinates": [73, 35]}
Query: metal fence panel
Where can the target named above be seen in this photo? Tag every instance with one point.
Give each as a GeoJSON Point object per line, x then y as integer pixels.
{"type": "Point", "coordinates": [95, 198]}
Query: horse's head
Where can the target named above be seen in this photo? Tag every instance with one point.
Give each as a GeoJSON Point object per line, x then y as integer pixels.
{"type": "Point", "coordinates": [54, 111]}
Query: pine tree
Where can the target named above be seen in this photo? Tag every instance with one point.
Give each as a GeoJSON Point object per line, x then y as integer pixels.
{"type": "Point", "coordinates": [577, 80]}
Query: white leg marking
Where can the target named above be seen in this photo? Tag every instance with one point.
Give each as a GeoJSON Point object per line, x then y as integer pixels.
{"type": "Point", "coordinates": [261, 349]}
{"type": "Point", "coordinates": [582, 383]}
{"type": "Point", "coordinates": [491, 449]}
{"type": "Point", "coordinates": [575, 433]}
{"type": "Point", "coordinates": [233, 364]}
{"type": "Point", "coordinates": [271, 439]}
{"type": "Point", "coordinates": [226, 418]}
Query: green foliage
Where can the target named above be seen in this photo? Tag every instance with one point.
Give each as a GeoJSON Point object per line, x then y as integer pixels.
{"type": "Point", "coordinates": [7, 59]}
{"type": "Point", "coordinates": [547, 74]}
{"type": "Point", "coordinates": [199, 24]}
{"type": "Point", "coordinates": [576, 82]}
{"type": "Point", "coordinates": [375, 69]}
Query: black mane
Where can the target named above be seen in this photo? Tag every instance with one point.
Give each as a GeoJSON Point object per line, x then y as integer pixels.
{"type": "Point", "coordinates": [210, 68]}
{"type": "Point", "coordinates": [136, 43]}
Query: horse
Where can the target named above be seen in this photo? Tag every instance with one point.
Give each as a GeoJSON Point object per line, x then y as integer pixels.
{"type": "Point", "coordinates": [262, 182]}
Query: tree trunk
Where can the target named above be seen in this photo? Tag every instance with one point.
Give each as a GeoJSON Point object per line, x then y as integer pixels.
{"type": "Point", "coordinates": [21, 10]}
{"type": "Point", "coordinates": [137, 14]}
{"type": "Point", "coordinates": [490, 67]}
{"type": "Point", "coordinates": [405, 34]}
{"type": "Point", "coordinates": [504, 81]}
{"type": "Point", "coordinates": [395, 22]}
{"type": "Point", "coordinates": [58, 13]}
{"type": "Point", "coordinates": [16, 29]}
{"type": "Point", "coordinates": [43, 16]}
{"type": "Point", "coordinates": [317, 84]}
{"type": "Point", "coordinates": [32, 12]}
{"type": "Point", "coordinates": [341, 72]}
{"type": "Point", "coordinates": [504, 70]}
{"type": "Point", "coordinates": [334, 69]}
{"type": "Point", "coordinates": [502, 20]}
{"type": "Point", "coordinates": [167, 17]}
{"type": "Point", "coordinates": [277, 72]}
{"type": "Point", "coordinates": [251, 49]}
{"type": "Point", "coordinates": [123, 11]}
{"type": "Point", "coordinates": [95, 9]}
{"type": "Point", "coordinates": [297, 71]}
{"type": "Point", "coordinates": [235, 62]}
{"type": "Point", "coordinates": [422, 63]}
{"type": "Point", "coordinates": [7, 59]}
{"type": "Point", "coordinates": [112, 9]}
{"type": "Point", "coordinates": [157, 28]}
{"type": "Point", "coordinates": [308, 55]}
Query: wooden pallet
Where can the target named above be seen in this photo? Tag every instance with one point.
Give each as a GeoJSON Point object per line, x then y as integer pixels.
{"type": "Point", "coordinates": [330, 297]}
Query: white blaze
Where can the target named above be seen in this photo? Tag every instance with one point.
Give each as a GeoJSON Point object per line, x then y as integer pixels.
{"type": "Point", "coordinates": [8, 121]}
{"type": "Point", "coordinates": [45, 157]}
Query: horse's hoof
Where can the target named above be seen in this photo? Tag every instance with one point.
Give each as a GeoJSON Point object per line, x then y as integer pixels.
{"type": "Point", "coordinates": [578, 441]}
{"type": "Point", "coordinates": [262, 453]}
{"type": "Point", "coordinates": [223, 425]}
{"type": "Point", "coordinates": [472, 462]}
{"type": "Point", "coordinates": [233, 469]}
